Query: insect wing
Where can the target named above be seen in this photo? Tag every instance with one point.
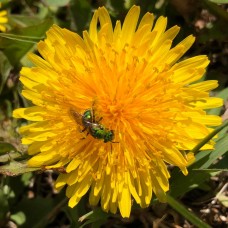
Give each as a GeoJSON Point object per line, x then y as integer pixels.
{"type": "Point", "coordinates": [76, 116]}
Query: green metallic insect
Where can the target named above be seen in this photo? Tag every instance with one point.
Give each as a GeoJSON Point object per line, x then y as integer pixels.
{"type": "Point", "coordinates": [93, 126]}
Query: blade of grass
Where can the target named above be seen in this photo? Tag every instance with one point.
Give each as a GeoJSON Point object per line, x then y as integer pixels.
{"type": "Point", "coordinates": [21, 37]}
{"type": "Point", "coordinates": [216, 10]}
{"type": "Point", "coordinates": [180, 184]}
{"type": "Point", "coordinates": [209, 137]}
{"type": "Point", "coordinates": [187, 214]}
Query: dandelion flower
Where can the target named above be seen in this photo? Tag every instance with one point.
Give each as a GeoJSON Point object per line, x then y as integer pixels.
{"type": "Point", "coordinates": [3, 19]}
{"type": "Point", "coordinates": [129, 80]}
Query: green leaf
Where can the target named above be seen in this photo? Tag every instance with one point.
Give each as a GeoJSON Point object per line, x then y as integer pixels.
{"type": "Point", "coordinates": [221, 163]}
{"type": "Point", "coordinates": [6, 157]}
{"type": "Point", "coordinates": [223, 199]}
{"type": "Point", "coordinates": [96, 217]}
{"type": "Point", "coordinates": [24, 20]}
{"type": "Point", "coordinates": [19, 218]}
{"type": "Point", "coordinates": [177, 206]}
{"type": "Point", "coordinates": [206, 158]}
{"type": "Point", "coordinates": [18, 44]}
{"type": "Point", "coordinates": [39, 216]}
{"type": "Point", "coordinates": [216, 10]}
{"type": "Point", "coordinates": [222, 94]}
{"type": "Point", "coordinates": [3, 204]}
{"type": "Point", "coordinates": [180, 184]}
{"type": "Point", "coordinates": [209, 137]}
{"type": "Point", "coordinates": [57, 3]}
{"type": "Point", "coordinates": [72, 214]}
{"type": "Point", "coordinates": [116, 5]}
{"type": "Point", "coordinates": [212, 170]}
{"type": "Point", "coordinates": [43, 218]}
{"type": "Point", "coordinates": [5, 68]}
{"type": "Point", "coordinates": [219, 1]}
{"type": "Point", "coordinates": [81, 12]}
{"type": "Point", "coordinates": [26, 178]}
{"type": "Point", "coordinates": [16, 168]}
{"type": "Point", "coordinates": [6, 148]}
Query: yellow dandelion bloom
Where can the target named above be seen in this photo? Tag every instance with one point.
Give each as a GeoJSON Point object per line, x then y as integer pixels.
{"type": "Point", "coordinates": [3, 19]}
{"type": "Point", "coordinates": [115, 107]}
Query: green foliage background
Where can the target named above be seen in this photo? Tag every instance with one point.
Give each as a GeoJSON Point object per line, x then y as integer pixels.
{"type": "Point", "coordinates": [29, 200]}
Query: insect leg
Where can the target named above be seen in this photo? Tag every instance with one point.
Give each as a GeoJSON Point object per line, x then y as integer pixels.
{"type": "Point", "coordinates": [98, 121]}
{"type": "Point", "coordinates": [83, 129]}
